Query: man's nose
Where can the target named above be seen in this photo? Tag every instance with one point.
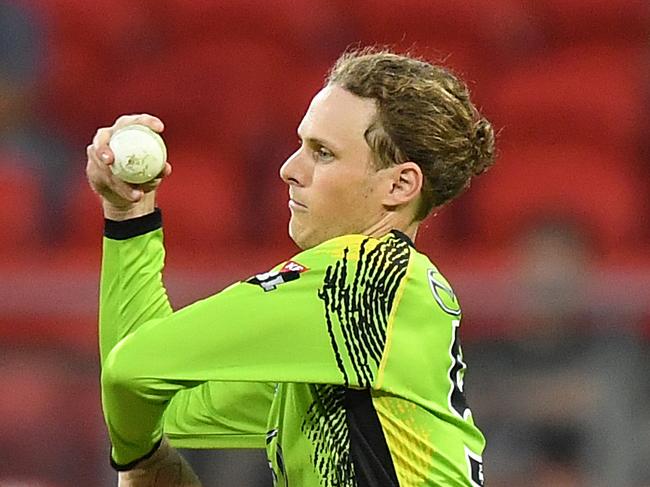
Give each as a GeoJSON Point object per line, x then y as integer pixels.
{"type": "Point", "coordinates": [292, 171]}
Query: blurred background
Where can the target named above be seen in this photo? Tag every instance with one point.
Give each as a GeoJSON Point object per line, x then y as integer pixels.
{"type": "Point", "coordinates": [549, 251]}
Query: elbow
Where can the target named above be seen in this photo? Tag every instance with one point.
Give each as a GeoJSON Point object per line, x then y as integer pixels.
{"type": "Point", "coordinates": [118, 372]}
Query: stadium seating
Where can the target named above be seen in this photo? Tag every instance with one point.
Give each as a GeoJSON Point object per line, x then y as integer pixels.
{"type": "Point", "coordinates": [20, 208]}
{"type": "Point", "coordinates": [464, 35]}
{"type": "Point", "coordinates": [49, 398]}
{"type": "Point", "coordinates": [597, 191]}
{"type": "Point", "coordinates": [593, 21]}
{"type": "Point", "coordinates": [586, 95]}
{"type": "Point", "coordinates": [223, 74]}
{"type": "Point", "coordinates": [565, 83]}
{"type": "Point", "coordinates": [200, 203]}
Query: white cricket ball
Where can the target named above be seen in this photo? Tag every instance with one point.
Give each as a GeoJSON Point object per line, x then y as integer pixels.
{"type": "Point", "coordinates": [140, 154]}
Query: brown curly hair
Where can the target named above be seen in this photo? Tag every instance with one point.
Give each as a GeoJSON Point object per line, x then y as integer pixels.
{"type": "Point", "coordinates": [424, 115]}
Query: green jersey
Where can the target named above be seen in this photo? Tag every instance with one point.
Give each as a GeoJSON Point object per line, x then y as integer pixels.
{"type": "Point", "coordinates": [343, 362]}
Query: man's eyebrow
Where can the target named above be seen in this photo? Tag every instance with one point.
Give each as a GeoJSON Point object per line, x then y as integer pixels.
{"type": "Point", "coordinates": [317, 141]}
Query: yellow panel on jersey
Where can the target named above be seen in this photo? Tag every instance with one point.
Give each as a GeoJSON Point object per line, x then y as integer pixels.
{"type": "Point", "coordinates": [409, 442]}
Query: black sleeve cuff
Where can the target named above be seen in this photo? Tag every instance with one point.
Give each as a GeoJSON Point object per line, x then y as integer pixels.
{"type": "Point", "coordinates": [129, 466]}
{"type": "Point", "coordinates": [122, 230]}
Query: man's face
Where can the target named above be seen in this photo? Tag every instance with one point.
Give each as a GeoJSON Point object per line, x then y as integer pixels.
{"type": "Point", "coordinates": [333, 187]}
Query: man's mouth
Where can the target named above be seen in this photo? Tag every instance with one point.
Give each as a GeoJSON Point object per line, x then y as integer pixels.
{"type": "Point", "coordinates": [296, 203]}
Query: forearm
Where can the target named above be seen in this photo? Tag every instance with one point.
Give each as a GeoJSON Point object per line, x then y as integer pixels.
{"type": "Point", "coordinates": [131, 287]}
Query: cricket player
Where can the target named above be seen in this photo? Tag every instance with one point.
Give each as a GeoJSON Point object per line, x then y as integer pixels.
{"type": "Point", "coordinates": [342, 361]}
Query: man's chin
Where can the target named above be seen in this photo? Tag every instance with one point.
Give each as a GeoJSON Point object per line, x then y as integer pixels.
{"type": "Point", "coordinates": [302, 238]}
{"type": "Point", "coordinates": [295, 235]}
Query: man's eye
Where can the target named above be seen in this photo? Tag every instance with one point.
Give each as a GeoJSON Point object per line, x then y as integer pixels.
{"type": "Point", "coordinates": [324, 155]}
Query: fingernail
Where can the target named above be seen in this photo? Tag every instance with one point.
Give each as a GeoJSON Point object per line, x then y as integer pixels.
{"type": "Point", "coordinates": [105, 157]}
{"type": "Point", "coordinates": [135, 194]}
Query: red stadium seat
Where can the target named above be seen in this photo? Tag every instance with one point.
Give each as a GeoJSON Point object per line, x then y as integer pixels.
{"type": "Point", "coordinates": [20, 208]}
{"type": "Point", "coordinates": [599, 191]}
{"type": "Point", "coordinates": [462, 32]}
{"type": "Point", "coordinates": [221, 211]}
{"type": "Point", "coordinates": [201, 202]}
{"type": "Point", "coordinates": [49, 395]}
{"type": "Point", "coordinates": [86, 222]}
{"type": "Point", "coordinates": [308, 30]}
{"type": "Point", "coordinates": [617, 23]}
{"type": "Point", "coordinates": [201, 205]}
{"type": "Point", "coordinates": [86, 65]}
{"type": "Point", "coordinates": [433, 19]}
{"type": "Point", "coordinates": [589, 96]}
{"type": "Point", "coordinates": [211, 93]}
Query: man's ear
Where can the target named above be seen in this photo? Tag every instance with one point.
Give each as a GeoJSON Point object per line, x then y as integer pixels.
{"type": "Point", "coordinates": [405, 181]}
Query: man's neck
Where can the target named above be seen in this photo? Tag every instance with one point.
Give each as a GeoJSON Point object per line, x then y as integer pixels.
{"type": "Point", "coordinates": [393, 222]}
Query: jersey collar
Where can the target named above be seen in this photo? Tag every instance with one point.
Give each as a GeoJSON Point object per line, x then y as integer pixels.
{"type": "Point", "coordinates": [402, 236]}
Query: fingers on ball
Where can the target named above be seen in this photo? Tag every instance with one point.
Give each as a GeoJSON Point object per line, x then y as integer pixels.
{"type": "Point", "coordinates": [100, 145]}
{"type": "Point", "coordinates": [154, 123]}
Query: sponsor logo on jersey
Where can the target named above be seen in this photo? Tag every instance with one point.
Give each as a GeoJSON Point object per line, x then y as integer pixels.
{"type": "Point", "coordinates": [294, 266]}
{"type": "Point", "coordinates": [443, 293]}
{"type": "Point", "coordinates": [269, 281]}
